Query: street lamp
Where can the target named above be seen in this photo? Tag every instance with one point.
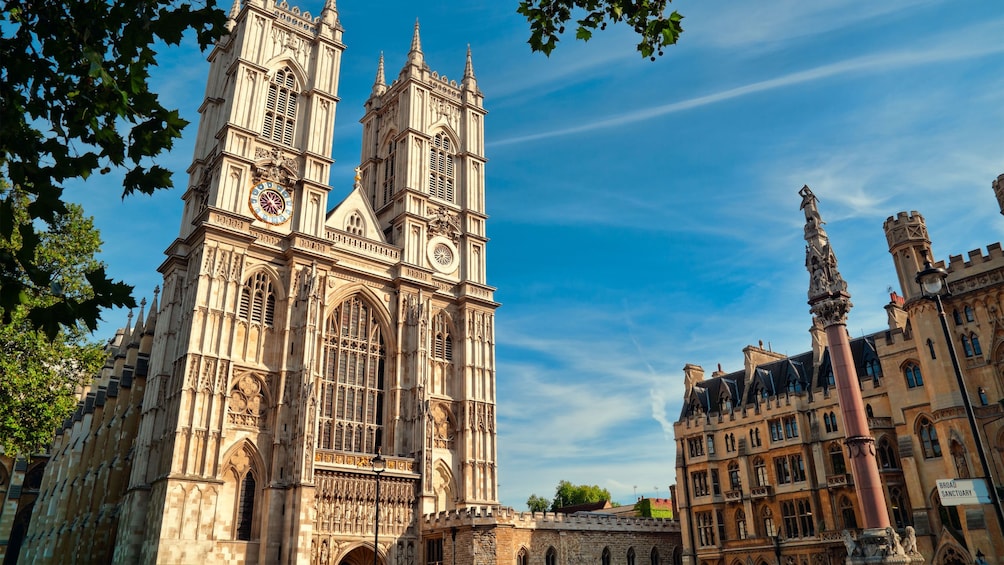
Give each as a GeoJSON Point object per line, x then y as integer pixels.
{"type": "Point", "coordinates": [379, 465]}
{"type": "Point", "coordinates": [932, 282]}
{"type": "Point", "coordinates": [777, 547]}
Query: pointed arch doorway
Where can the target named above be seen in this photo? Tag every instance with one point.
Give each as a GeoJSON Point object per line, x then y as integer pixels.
{"type": "Point", "coordinates": [362, 555]}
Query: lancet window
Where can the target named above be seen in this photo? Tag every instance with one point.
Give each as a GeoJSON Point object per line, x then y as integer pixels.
{"type": "Point", "coordinates": [257, 300]}
{"type": "Point", "coordinates": [913, 376]}
{"type": "Point", "coordinates": [442, 348]}
{"type": "Point", "coordinates": [441, 168]}
{"type": "Point", "coordinates": [389, 171]}
{"type": "Point", "coordinates": [928, 439]}
{"type": "Point", "coordinates": [280, 107]}
{"type": "Point", "coordinates": [351, 417]}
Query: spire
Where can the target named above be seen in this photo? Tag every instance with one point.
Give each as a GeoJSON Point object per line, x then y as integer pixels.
{"type": "Point", "coordinates": [151, 320]}
{"type": "Point", "coordinates": [415, 56]}
{"type": "Point", "coordinates": [232, 19]}
{"type": "Point", "coordinates": [829, 300]}
{"type": "Point", "coordinates": [329, 14]}
{"type": "Point", "coordinates": [469, 83]}
{"type": "Point", "coordinates": [380, 84]}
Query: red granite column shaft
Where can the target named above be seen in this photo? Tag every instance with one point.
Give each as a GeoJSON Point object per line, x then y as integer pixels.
{"type": "Point", "coordinates": [860, 444]}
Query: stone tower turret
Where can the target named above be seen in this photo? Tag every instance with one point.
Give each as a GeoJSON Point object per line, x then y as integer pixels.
{"type": "Point", "coordinates": [998, 186]}
{"type": "Point", "coordinates": [908, 245]}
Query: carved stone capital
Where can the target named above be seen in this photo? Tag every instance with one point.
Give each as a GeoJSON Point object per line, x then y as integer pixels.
{"type": "Point", "coordinates": [832, 309]}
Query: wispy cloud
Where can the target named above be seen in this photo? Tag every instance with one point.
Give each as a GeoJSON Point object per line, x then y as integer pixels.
{"type": "Point", "coordinates": [858, 65]}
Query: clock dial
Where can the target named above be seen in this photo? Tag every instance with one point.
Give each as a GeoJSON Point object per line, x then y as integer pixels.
{"type": "Point", "coordinates": [271, 203]}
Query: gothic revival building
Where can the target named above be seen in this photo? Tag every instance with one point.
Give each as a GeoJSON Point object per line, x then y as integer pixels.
{"type": "Point", "coordinates": [761, 454]}
{"type": "Point", "coordinates": [237, 421]}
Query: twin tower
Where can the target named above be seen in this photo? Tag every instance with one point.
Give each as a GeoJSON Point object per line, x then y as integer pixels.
{"type": "Point", "coordinates": [294, 341]}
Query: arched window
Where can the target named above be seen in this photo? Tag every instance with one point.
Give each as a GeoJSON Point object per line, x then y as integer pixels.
{"type": "Point", "coordinates": [741, 530]}
{"type": "Point", "coordinates": [829, 377]}
{"type": "Point", "coordinates": [521, 557]}
{"type": "Point", "coordinates": [913, 377]}
{"type": "Point", "coordinates": [605, 557]}
{"type": "Point", "coordinates": [983, 396]}
{"type": "Point", "coordinates": [389, 172]}
{"type": "Point", "coordinates": [654, 557]}
{"type": "Point", "coordinates": [966, 347]}
{"type": "Point", "coordinates": [630, 556]}
{"type": "Point", "coordinates": [551, 557]}
{"type": "Point", "coordinates": [833, 421]}
{"type": "Point", "coordinates": [735, 483]}
{"type": "Point", "coordinates": [957, 317]}
{"type": "Point", "coordinates": [351, 417]}
{"type": "Point", "coordinates": [959, 457]}
{"type": "Point", "coordinates": [928, 438]}
{"type": "Point", "coordinates": [280, 107]}
{"type": "Point", "coordinates": [769, 529]}
{"type": "Point", "coordinates": [724, 403]}
{"type": "Point", "coordinates": [930, 348]}
{"type": "Point", "coordinates": [837, 459]}
{"type": "Point", "coordinates": [874, 370]}
{"type": "Point", "coordinates": [441, 173]}
{"type": "Point", "coordinates": [970, 317]}
{"type": "Point", "coordinates": [977, 350]}
{"type": "Point", "coordinates": [847, 514]}
{"type": "Point", "coordinates": [949, 515]}
{"type": "Point", "coordinates": [760, 472]}
{"type": "Point", "coordinates": [868, 411]}
{"type": "Point", "coordinates": [257, 300]}
{"type": "Point", "coordinates": [901, 515]}
{"type": "Point", "coordinates": [887, 454]}
{"type": "Point", "coordinates": [443, 344]}
{"type": "Point", "coordinates": [245, 507]}
{"type": "Point", "coordinates": [804, 512]}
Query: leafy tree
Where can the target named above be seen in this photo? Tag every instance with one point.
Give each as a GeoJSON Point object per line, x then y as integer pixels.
{"type": "Point", "coordinates": [567, 494]}
{"type": "Point", "coordinates": [537, 503]}
{"type": "Point", "coordinates": [38, 373]}
{"type": "Point", "coordinates": [74, 101]}
{"type": "Point", "coordinates": [648, 18]}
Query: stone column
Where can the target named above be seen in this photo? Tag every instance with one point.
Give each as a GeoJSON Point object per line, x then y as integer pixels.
{"type": "Point", "coordinates": [830, 303]}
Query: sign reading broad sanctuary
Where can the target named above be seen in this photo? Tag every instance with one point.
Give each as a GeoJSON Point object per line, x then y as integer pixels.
{"type": "Point", "coordinates": [955, 492]}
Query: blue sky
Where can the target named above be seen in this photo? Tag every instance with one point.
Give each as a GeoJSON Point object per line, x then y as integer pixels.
{"type": "Point", "coordinates": [644, 215]}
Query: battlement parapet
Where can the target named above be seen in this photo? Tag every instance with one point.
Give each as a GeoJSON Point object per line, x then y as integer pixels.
{"type": "Point", "coordinates": [905, 227]}
{"type": "Point", "coordinates": [502, 515]}
{"type": "Point", "coordinates": [976, 260]}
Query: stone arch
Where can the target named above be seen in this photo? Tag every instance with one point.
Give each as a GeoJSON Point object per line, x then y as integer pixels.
{"type": "Point", "coordinates": [278, 62]}
{"type": "Point", "coordinates": [342, 293]}
{"type": "Point", "coordinates": [444, 487]}
{"type": "Point", "coordinates": [249, 398]}
{"type": "Point", "coordinates": [359, 552]}
{"type": "Point", "coordinates": [950, 552]}
{"type": "Point", "coordinates": [238, 511]}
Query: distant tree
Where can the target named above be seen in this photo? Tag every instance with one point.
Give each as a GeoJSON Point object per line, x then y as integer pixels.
{"type": "Point", "coordinates": [75, 100]}
{"type": "Point", "coordinates": [648, 18]}
{"type": "Point", "coordinates": [537, 503]}
{"type": "Point", "coordinates": [567, 494]}
{"type": "Point", "coordinates": [39, 374]}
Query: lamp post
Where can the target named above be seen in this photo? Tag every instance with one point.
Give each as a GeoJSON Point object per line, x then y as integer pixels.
{"type": "Point", "coordinates": [932, 282]}
{"type": "Point", "coordinates": [777, 547]}
{"type": "Point", "coordinates": [379, 465]}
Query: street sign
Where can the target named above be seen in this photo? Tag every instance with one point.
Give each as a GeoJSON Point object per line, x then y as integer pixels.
{"type": "Point", "coordinates": [956, 492]}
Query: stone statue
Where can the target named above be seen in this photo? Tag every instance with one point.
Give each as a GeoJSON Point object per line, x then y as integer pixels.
{"type": "Point", "coordinates": [892, 540]}
{"type": "Point", "coordinates": [910, 542]}
{"type": "Point", "coordinates": [851, 544]}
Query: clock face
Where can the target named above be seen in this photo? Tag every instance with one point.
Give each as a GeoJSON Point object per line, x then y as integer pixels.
{"type": "Point", "coordinates": [271, 203]}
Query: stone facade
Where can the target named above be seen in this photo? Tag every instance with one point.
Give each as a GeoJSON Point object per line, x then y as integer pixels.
{"type": "Point", "coordinates": [238, 421]}
{"type": "Point", "coordinates": [774, 437]}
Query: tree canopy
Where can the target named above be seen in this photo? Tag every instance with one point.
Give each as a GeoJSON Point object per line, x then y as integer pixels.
{"type": "Point", "coordinates": [75, 100]}
{"type": "Point", "coordinates": [39, 374]}
{"type": "Point", "coordinates": [548, 18]}
{"type": "Point", "coordinates": [567, 494]}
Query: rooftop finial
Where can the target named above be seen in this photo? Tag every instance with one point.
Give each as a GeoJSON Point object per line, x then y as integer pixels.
{"type": "Point", "coordinates": [329, 14]}
{"type": "Point", "coordinates": [380, 84]}
{"type": "Point", "coordinates": [232, 19]}
{"type": "Point", "coordinates": [469, 82]}
{"type": "Point", "coordinates": [415, 56]}
{"type": "Point", "coordinates": [359, 178]}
